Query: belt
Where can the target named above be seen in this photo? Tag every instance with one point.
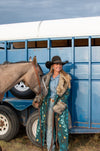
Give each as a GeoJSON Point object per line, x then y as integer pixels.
{"type": "Point", "coordinates": [52, 100]}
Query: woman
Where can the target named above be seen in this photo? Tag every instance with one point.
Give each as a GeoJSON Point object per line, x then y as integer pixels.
{"type": "Point", "coordinates": [54, 111]}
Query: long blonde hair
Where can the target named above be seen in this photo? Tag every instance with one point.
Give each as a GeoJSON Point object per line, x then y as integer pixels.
{"type": "Point", "coordinates": [51, 69]}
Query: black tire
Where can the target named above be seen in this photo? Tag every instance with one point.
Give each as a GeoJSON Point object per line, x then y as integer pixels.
{"type": "Point", "coordinates": [9, 123]}
{"type": "Point", "coordinates": [32, 123]}
{"type": "Point", "coordinates": [22, 92]}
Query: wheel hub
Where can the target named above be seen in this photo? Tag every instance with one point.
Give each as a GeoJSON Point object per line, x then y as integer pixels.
{"type": "Point", "coordinates": [4, 124]}
{"type": "Point", "coordinates": [21, 86]}
{"type": "Point", "coordinates": [34, 127]}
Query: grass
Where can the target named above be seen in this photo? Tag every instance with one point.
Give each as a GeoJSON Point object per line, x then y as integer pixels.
{"type": "Point", "coordinates": [81, 142]}
{"type": "Point", "coordinates": [84, 142]}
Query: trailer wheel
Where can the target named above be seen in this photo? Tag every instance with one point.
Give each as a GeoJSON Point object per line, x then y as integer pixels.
{"type": "Point", "coordinates": [9, 123]}
{"type": "Point", "coordinates": [31, 127]}
{"type": "Point", "coordinates": [21, 91]}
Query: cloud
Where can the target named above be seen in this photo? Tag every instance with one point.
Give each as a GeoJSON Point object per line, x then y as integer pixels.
{"type": "Point", "coordinates": [12, 11]}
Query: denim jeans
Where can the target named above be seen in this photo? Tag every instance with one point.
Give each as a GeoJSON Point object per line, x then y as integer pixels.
{"type": "Point", "coordinates": [49, 126]}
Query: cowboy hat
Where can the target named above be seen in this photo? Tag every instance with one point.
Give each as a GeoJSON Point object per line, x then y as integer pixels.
{"type": "Point", "coordinates": [55, 60]}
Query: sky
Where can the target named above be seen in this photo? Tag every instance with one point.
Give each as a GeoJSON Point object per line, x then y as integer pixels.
{"type": "Point", "coordinates": [17, 11]}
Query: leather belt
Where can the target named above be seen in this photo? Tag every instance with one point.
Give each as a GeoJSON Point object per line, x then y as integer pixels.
{"type": "Point", "coordinates": [52, 100]}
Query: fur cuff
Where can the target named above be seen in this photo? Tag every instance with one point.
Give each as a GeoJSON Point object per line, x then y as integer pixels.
{"type": "Point", "coordinates": [59, 107]}
{"type": "Point", "coordinates": [37, 100]}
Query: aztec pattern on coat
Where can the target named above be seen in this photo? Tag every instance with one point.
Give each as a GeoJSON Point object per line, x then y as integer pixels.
{"type": "Point", "coordinates": [63, 91]}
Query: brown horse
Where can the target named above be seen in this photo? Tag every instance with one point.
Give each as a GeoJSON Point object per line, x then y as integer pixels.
{"type": "Point", "coordinates": [12, 73]}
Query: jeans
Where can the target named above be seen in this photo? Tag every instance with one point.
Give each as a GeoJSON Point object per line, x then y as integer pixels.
{"type": "Point", "coordinates": [49, 126]}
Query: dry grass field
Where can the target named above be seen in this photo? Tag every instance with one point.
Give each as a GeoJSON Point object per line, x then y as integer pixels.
{"type": "Point", "coordinates": [86, 142]}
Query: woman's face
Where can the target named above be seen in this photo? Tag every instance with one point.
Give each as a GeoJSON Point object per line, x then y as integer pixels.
{"type": "Point", "coordinates": [57, 67]}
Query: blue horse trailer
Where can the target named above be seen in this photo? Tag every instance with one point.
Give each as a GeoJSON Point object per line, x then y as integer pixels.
{"type": "Point", "coordinates": [75, 40]}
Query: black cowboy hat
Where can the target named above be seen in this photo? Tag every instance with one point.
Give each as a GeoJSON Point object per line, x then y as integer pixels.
{"type": "Point", "coordinates": [55, 60]}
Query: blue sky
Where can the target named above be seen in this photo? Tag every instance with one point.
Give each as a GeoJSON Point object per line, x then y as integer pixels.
{"type": "Point", "coordinates": [15, 11]}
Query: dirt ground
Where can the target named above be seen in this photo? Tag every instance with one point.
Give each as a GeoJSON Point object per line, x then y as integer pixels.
{"type": "Point", "coordinates": [86, 142]}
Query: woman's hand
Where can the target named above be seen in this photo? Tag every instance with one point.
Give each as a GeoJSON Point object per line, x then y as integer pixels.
{"type": "Point", "coordinates": [35, 104]}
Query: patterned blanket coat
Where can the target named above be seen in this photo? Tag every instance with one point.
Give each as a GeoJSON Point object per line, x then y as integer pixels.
{"type": "Point", "coordinates": [63, 91]}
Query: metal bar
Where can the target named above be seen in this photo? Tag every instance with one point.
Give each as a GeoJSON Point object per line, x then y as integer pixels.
{"type": "Point", "coordinates": [6, 52]}
{"type": "Point", "coordinates": [73, 75]}
{"type": "Point", "coordinates": [20, 40]}
{"type": "Point", "coordinates": [79, 130]}
{"type": "Point", "coordinates": [95, 36]}
{"type": "Point", "coordinates": [45, 39]}
{"type": "Point", "coordinates": [27, 57]}
{"type": "Point", "coordinates": [6, 56]}
{"type": "Point", "coordinates": [49, 46]}
{"type": "Point", "coordinates": [90, 77]}
{"type": "Point", "coordinates": [40, 39]}
{"type": "Point", "coordinates": [59, 38]}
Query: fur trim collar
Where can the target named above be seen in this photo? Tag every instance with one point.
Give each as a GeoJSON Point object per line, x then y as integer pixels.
{"type": "Point", "coordinates": [63, 85]}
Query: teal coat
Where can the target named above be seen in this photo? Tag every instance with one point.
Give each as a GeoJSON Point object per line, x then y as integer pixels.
{"type": "Point", "coordinates": [61, 95]}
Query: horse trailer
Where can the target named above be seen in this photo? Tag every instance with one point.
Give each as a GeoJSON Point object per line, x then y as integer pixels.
{"type": "Point", "coordinates": [76, 40]}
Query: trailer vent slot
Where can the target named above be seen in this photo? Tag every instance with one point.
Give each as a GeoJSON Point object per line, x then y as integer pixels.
{"type": "Point", "coordinates": [81, 42]}
{"type": "Point", "coordinates": [18, 45]}
{"type": "Point", "coordinates": [61, 43]}
{"type": "Point", "coordinates": [37, 44]}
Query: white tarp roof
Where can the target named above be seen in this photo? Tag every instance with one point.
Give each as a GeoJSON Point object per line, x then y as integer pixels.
{"type": "Point", "coordinates": [88, 26]}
